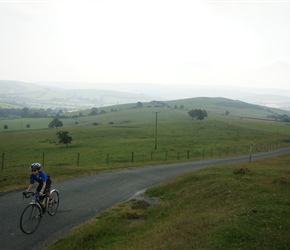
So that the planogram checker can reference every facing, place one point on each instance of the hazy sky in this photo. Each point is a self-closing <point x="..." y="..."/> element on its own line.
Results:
<point x="168" y="42"/>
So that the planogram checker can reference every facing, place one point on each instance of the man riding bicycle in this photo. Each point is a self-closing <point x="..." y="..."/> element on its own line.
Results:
<point x="43" y="180"/>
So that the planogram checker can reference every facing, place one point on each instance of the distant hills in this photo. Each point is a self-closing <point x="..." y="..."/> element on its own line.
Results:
<point x="71" y="96"/>
<point x="31" y="95"/>
<point x="270" y="97"/>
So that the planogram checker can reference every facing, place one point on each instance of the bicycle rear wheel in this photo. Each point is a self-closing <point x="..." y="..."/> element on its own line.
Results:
<point x="30" y="219"/>
<point x="52" y="208"/>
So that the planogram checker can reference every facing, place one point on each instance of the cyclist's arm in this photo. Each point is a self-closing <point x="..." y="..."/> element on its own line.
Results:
<point x="29" y="187"/>
<point x="31" y="182"/>
<point x="43" y="187"/>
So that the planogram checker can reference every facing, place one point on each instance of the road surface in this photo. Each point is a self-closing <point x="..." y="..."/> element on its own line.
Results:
<point x="83" y="198"/>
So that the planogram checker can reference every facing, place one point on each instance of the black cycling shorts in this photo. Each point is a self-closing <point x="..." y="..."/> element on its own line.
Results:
<point x="47" y="187"/>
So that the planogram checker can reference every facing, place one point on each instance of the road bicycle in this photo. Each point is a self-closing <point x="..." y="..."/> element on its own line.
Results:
<point x="32" y="214"/>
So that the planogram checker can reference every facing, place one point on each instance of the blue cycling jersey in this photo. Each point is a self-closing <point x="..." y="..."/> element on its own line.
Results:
<point x="42" y="177"/>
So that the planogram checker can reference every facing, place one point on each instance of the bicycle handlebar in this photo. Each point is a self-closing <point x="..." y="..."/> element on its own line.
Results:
<point x="28" y="194"/>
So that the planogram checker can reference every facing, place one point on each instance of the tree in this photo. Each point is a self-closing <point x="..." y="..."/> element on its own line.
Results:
<point x="59" y="113"/>
<point x="25" y="112"/>
<point x="64" y="137"/>
<point x="227" y="113"/>
<point x="285" y="118"/>
<point x="55" y="123"/>
<point x="94" y="111"/>
<point x="139" y="104"/>
<point x="5" y="126"/>
<point x="198" y="114"/>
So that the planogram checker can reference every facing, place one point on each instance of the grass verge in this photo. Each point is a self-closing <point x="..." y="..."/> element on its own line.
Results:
<point x="241" y="206"/>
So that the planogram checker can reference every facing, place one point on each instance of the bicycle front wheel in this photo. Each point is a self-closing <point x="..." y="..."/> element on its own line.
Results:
<point x="53" y="206"/>
<point x="30" y="219"/>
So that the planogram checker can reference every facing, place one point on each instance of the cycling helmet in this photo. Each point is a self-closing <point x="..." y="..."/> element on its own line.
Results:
<point x="35" y="166"/>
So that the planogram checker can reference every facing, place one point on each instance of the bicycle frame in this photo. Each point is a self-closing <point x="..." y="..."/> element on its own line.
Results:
<point x="36" y="199"/>
<point x="32" y="214"/>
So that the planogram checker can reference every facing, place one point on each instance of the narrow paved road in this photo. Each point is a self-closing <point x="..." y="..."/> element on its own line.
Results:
<point x="85" y="197"/>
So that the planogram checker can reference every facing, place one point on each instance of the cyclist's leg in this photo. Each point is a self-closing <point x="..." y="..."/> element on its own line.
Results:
<point x="39" y="187"/>
<point x="55" y="202"/>
<point x="47" y="189"/>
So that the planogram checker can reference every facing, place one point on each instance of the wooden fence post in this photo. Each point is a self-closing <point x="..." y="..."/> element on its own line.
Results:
<point x="132" y="158"/>
<point x="78" y="160"/>
<point x="43" y="159"/>
<point x="2" y="164"/>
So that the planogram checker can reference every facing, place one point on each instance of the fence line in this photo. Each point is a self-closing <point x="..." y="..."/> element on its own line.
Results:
<point x="162" y="155"/>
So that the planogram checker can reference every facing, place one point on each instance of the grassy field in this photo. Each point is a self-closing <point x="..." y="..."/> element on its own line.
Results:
<point x="127" y="139"/>
<point x="242" y="206"/>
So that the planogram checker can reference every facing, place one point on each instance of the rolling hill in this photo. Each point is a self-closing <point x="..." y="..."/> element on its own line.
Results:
<point x="15" y="95"/>
<point x="51" y="95"/>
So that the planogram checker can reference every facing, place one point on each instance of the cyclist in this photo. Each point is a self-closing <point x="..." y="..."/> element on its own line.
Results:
<point x="43" y="180"/>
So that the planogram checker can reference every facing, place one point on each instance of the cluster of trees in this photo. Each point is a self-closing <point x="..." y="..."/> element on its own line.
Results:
<point x="95" y="111"/>
<point x="198" y="114"/>
<point x="30" y="113"/>
<point x="55" y="123"/>
<point x="283" y="118"/>
<point x="38" y="113"/>
<point x="158" y="104"/>
<point x="60" y="113"/>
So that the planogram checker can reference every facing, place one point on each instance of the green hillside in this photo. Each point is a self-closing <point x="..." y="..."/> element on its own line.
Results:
<point x="168" y="111"/>
<point x="221" y="105"/>
<point x="217" y="106"/>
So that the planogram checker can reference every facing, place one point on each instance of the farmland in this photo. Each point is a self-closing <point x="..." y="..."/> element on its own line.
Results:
<point x="127" y="138"/>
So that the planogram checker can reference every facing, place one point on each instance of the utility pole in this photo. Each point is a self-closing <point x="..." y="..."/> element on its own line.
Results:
<point x="156" y="131"/>
<point x="251" y="148"/>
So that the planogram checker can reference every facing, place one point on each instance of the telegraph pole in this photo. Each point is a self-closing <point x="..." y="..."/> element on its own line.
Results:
<point x="156" y="131"/>
<point x="251" y="148"/>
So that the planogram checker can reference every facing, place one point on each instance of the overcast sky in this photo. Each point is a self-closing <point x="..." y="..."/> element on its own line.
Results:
<point x="237" y="43"/>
